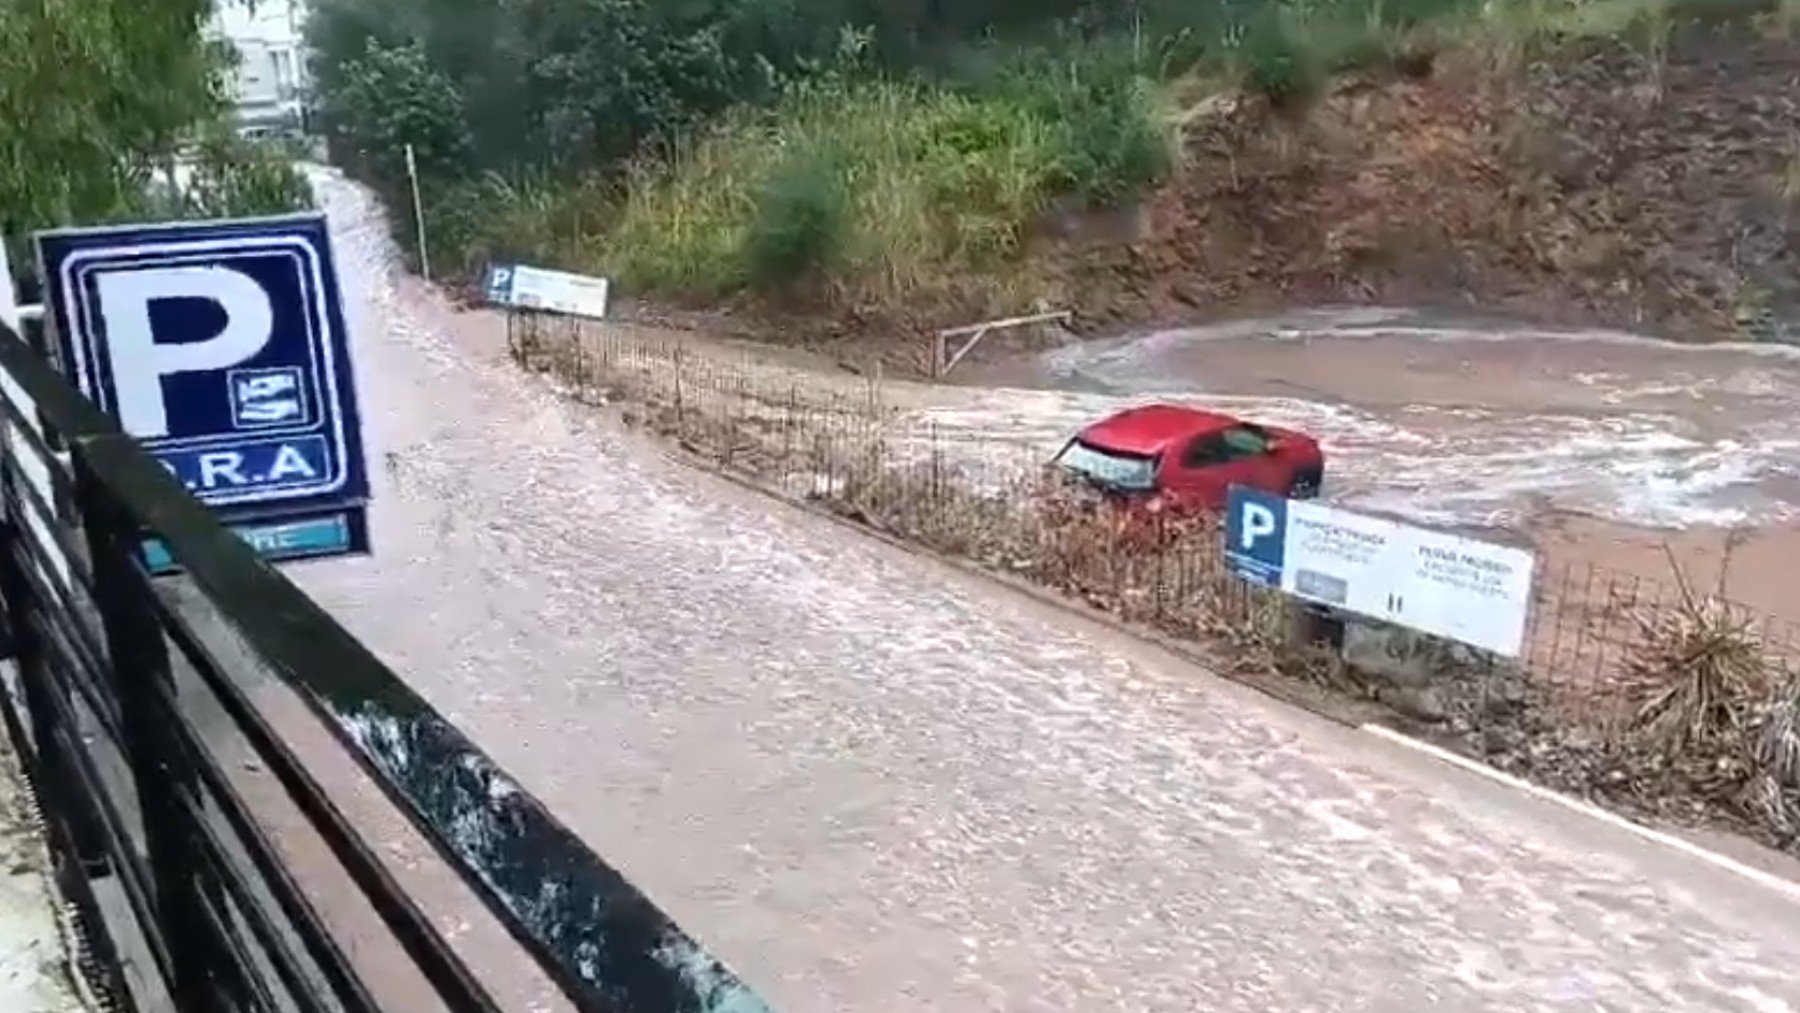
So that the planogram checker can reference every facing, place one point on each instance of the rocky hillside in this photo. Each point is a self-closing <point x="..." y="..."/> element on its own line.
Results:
<point x="1653" y="188"/>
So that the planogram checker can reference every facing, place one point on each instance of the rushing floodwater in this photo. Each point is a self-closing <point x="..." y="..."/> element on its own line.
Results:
<point x="870" y="784"/>
<point x="1478" y="425"/>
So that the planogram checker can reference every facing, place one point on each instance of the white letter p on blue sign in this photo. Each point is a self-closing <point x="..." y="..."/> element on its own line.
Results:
<point x="1255" y="535"/>
<point x="1259" y="521"/>
<point x="140" y="362"/>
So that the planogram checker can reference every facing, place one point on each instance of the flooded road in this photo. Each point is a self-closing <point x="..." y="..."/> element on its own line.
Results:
<point x="871" y="783"/>
<point x="1479" y="425"/>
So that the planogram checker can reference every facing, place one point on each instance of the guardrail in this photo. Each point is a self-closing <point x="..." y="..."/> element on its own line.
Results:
<point x="148" y="714"/>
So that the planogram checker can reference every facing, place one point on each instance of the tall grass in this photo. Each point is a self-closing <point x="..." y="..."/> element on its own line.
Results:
<point x="899" y="186"/>
<point x="1287" y="50"/>
<point x="875" y="190"/>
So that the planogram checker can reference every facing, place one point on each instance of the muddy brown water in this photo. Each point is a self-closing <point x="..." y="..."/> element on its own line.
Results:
<point x="1599" y="447"/>
<point x="872" y="784"/>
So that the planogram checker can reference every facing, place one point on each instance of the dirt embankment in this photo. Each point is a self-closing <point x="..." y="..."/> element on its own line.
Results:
<point x="1600" y="184"/>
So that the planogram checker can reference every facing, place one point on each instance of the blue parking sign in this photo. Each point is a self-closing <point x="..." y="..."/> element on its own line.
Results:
<point x="222" y="347"/>
<point x="1255" y="535"/>
<point x="498" y="284"/>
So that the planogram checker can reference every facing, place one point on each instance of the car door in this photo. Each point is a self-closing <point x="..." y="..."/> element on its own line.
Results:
<point x="1211" y="464"/>
<point x="1250" y="450"/>
<point x="1202" y="472"/>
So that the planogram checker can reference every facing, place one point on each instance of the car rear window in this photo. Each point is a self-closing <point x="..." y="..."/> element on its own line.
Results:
<point x="1120" y="471"/>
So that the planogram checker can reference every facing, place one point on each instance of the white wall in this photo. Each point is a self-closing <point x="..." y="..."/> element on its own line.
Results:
<point x="271" y="74"/>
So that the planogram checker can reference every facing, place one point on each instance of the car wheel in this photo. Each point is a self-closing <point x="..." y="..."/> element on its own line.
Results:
<point x="1304" y="486"/>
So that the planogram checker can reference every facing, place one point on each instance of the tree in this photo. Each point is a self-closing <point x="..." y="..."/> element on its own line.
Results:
<point x="475" y="45"/>
<point x="94" y="94"/>
<point x="391" y="97"/>
<point x="572" y="83"/>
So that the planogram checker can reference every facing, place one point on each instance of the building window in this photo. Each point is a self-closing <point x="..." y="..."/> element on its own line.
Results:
<point x="284" y="72"/>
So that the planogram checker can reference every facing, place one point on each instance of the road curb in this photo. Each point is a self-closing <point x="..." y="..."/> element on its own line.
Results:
<point x="1781" y="884"/>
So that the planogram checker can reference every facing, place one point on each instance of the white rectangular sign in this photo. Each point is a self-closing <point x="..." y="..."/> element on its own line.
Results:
<point x="1463" y="589"/>
<point x="1438" y="583"/>
<point x="1337" y="558"/>
<point x="544" y="289"/>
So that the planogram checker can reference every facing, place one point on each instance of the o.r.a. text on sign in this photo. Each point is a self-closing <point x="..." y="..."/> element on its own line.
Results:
<point x="222" y="347"/>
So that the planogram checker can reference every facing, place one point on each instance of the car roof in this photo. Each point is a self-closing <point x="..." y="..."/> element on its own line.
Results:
<point x="1150" y="429"/>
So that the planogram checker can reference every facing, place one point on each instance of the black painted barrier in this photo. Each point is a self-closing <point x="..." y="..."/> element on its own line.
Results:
<point x="225" y="923"/>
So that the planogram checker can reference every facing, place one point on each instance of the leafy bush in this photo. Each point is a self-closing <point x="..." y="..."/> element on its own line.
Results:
<point x="1111" y="134"/>
<point x="526" y="217"/>
<point x="231" y="177"/>
<point x="1277" y="63"/>
<point x="892" y="186"/>
<point x="800" y="223"/>
<point x="924" y="184"/>
<point x="390" y="97"/>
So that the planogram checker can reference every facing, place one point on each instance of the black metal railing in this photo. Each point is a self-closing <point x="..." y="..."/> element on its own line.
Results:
<point x="138" y="702"/>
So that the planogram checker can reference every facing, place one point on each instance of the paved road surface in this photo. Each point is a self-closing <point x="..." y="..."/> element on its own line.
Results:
<point x="870" y="784"/>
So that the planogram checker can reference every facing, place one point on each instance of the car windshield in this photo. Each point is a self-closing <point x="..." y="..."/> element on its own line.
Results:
<point x="1120" y="471"/>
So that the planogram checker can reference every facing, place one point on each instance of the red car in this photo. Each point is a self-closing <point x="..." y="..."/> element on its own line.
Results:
<point x="1182" y="460"/>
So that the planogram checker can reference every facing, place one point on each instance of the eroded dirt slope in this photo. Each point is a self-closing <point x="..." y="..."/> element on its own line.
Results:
<point x="1600" y="185"/>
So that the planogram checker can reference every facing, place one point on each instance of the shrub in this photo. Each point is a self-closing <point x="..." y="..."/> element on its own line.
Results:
<point x="981" y="166"/>
<point x="235" y="178"/>
<point x="1277" y="62"/>
<point x="530" y="217"/>
<point x="1696" y="671"/>
<point x="924" y="184"/>
<point x="391" y="97"/>
<point x="680" y="227"/>
<point x="1776" y="743"/>
<point x="1111" y="135"/>
<point x="801" y="221"/>
<point x="1114" y="141"/>
<point x="892" y="186"/>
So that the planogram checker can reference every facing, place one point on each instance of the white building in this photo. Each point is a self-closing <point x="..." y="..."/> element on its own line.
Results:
<point x="269" y="84"/>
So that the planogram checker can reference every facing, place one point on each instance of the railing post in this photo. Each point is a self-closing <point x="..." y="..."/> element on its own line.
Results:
<point x="141" y="677"/>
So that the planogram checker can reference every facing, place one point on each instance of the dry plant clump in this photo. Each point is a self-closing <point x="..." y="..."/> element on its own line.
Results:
<point x="1697" y="672"/>
<point x="1714" y="713"/>
<point x="1774" y="790"/>
<point x="1776" y="743"/>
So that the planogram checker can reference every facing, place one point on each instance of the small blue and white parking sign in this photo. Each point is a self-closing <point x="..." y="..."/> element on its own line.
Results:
<point x="1255" y="535"/>
<point x="222" y="347"/>
<point x="498" y="284"/>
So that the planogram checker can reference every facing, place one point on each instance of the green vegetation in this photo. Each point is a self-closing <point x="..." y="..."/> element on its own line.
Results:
<point x="871" y="152"/>
<point x="896" y="185"/>
<point x="701" y="150"/>
<point x="230" y="177"/>
<point x="93" y="93"/>
<point x="97" y="97"/>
